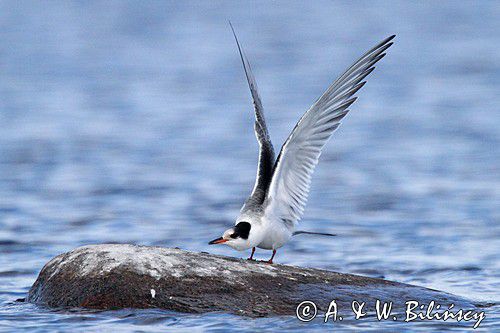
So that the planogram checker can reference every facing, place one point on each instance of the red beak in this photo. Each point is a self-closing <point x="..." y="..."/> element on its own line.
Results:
<point x="217" y="241"/>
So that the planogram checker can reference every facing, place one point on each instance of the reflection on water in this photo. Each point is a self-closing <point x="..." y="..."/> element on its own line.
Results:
<point x="131" y="122"/>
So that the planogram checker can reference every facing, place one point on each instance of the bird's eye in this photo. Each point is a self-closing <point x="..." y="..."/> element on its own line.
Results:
<point x="234" y="235"/>
<point x="243" y="229"/>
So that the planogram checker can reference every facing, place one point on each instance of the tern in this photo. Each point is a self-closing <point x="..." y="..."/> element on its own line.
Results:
<point x="271" y="213"/>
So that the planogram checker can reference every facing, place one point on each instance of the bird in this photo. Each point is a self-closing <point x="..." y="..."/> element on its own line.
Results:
<point x="270" y="215"/>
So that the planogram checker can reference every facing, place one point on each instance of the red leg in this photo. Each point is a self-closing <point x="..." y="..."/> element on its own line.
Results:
<point x="251" y="256"/>
<point x="270" y="261"/>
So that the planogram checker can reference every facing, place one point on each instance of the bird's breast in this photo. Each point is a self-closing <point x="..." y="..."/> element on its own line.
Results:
<point x="275" y="236"/>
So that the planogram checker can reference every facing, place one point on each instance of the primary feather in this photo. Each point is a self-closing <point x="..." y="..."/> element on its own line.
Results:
<point x="266" y="150"/>
<point x="289" y="187"/>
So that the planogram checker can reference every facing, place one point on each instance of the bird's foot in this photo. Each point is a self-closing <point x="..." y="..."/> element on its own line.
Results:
<point x="267" y="261"/>
<point x="251" y="256"/>
<point x="270" y="261"/>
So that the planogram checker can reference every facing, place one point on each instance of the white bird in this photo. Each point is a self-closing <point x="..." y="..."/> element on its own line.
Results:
<point x="270" y="215"/>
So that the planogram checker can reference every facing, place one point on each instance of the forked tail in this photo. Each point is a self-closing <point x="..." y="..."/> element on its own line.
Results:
<point x="312" y="233"/>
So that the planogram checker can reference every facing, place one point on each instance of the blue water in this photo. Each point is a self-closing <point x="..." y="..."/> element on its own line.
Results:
<point x="131" y="122"/>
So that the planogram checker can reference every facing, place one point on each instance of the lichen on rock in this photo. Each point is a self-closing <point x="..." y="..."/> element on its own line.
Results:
<point x="111" y="276"/>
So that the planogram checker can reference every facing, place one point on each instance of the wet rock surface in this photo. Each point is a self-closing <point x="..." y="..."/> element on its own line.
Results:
<point x="113" y="276"/>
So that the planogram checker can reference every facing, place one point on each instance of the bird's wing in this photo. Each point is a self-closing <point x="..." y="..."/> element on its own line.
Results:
<point x="289" y="188"/>
<point x="266" y="150"/>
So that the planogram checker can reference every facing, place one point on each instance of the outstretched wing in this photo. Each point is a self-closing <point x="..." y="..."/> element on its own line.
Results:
<point x="266" y="150"/>
<point x="289" y="188"/>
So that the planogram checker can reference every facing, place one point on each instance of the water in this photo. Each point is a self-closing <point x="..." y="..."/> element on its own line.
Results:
<point x="131" y="122"/>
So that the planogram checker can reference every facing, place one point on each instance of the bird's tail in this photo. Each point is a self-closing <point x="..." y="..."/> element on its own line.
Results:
<point x="312" y="233"/>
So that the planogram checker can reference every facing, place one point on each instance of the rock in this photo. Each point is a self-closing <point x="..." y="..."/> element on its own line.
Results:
<point x="113" y="276"/>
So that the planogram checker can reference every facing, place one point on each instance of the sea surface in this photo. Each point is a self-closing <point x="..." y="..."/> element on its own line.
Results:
<point x="131" y="122"/>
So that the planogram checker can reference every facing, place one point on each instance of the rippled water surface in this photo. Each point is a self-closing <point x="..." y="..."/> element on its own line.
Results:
<point x="131" y="122"/>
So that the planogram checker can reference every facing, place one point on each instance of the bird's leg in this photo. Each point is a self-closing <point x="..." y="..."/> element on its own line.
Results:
<point x="251" y="256"/>
<point x="270" y="261"/>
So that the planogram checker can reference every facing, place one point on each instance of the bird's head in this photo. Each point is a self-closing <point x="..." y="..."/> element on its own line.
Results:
<point x="235" y="237"/>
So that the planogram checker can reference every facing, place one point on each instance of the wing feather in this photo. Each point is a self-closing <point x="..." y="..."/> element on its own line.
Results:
<point x="291" y="179"/>
<point x="266" y="150"/>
